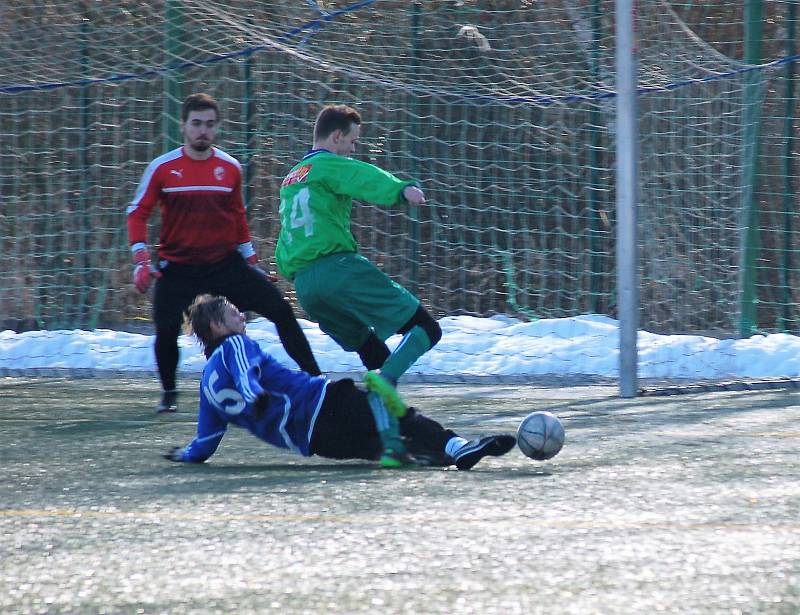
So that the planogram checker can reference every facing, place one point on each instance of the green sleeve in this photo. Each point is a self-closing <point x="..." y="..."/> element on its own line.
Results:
<point x="363" y="181"/>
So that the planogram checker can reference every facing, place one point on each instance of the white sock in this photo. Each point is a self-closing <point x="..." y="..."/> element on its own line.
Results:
<point x="453" y="444"/>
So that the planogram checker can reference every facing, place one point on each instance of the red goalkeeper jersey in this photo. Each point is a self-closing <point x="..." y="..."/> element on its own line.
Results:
<point x="202" y="214"/>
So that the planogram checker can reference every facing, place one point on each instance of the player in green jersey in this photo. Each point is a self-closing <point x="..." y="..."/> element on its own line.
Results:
<point x="352" y="300"/>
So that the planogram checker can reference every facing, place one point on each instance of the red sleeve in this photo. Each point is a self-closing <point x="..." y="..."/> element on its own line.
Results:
<point x="147" y="195"/>
<point x="238" y="204"/>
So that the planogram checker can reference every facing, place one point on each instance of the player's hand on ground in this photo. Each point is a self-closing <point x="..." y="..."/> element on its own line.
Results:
<point x="142" y="272"/>
<point x="413" y="195"/>
<point x="174" y="454"/>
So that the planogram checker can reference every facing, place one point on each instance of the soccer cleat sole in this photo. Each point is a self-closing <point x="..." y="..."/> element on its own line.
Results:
<point x="433" y="460"/>
<point x="494" y="446"/>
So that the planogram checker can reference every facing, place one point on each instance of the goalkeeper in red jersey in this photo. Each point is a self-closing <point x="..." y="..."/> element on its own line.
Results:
<point x="351" y="299"/>
<point x="204" y="245"/>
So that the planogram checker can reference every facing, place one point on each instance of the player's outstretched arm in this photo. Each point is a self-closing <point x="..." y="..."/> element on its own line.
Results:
<point x="198" y="450"/>
<point x="175" y="453"/>
<point x="364" y="181"/>
<point x="210" y="429"/>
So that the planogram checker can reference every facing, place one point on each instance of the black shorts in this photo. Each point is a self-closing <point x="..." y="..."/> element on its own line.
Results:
<point x="345" y="427"/>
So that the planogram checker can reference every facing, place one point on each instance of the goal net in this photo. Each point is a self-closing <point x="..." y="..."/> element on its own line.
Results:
<point x="504" y="110"/>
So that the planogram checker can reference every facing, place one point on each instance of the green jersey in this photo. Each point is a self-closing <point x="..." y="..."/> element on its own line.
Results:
<point x="316" y="201"/>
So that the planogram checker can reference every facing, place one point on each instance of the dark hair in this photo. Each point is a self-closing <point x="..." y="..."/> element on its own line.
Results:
<point x="204" y="310"/>
<point x="335" y="117"/>
<point x="198" y="102"/>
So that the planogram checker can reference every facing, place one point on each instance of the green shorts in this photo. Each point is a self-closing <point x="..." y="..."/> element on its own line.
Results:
<point x="350" y="297"/>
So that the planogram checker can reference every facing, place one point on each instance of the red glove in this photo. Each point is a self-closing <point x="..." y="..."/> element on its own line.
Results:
<point x="142" y="273"/>
<point x="251" y="258"/>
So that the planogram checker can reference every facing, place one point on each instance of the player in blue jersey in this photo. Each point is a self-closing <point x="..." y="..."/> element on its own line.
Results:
<point x="309" y="415"/>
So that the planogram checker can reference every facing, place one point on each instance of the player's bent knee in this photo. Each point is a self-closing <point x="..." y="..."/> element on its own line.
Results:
<point x="424" y="321"/>
<point x="430" y="326"/>
<point x="373" y="352"/>
<point x="434" y="332"/>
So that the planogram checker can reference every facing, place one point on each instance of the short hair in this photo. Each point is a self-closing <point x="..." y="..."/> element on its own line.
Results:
<point x="198" y="102"/>
<point x="335" y="117"/>
<point x="204" y="310"/>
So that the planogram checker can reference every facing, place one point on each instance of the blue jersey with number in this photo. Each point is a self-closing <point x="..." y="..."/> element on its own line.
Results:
<point x="237" y="372"/>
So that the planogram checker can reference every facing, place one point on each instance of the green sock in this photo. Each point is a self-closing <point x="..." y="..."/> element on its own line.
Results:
<point x="414" y="344"/>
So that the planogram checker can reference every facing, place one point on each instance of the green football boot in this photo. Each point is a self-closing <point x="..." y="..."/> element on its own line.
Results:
<point x="377" y="383"/>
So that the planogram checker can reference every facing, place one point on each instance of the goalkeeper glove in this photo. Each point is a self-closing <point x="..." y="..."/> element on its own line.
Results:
<point x="174" y="454"/>
<point x="269" y="277"/>
<point x="142" y="271"/>
<point x="251" y="258"/>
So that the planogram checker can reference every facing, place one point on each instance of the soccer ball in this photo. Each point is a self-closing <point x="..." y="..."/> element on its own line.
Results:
<point x="540" y="435"/>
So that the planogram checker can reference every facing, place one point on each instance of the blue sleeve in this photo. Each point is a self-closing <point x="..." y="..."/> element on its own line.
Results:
<point x="210" y="429"/>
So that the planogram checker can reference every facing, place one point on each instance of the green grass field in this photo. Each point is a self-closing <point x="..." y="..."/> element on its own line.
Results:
<point x="684" y="505"/>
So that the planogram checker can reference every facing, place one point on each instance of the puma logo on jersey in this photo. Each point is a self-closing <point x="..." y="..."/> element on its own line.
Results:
<point x="178" y="172"/>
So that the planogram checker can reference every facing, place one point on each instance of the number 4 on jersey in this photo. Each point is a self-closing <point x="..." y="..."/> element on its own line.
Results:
<point x="301" y="215"/>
